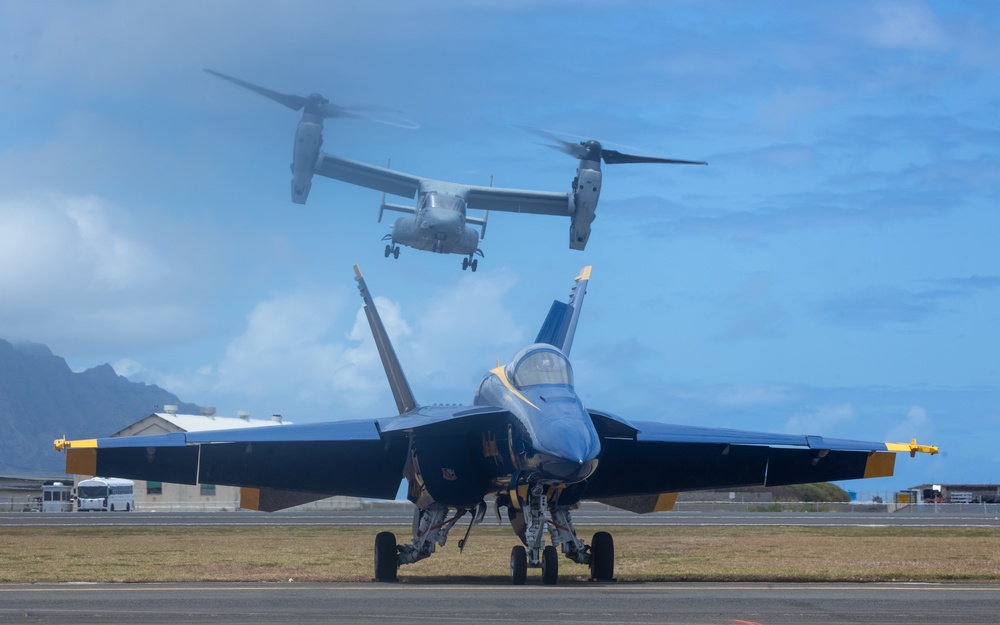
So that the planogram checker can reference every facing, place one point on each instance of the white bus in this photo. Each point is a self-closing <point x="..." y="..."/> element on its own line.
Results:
<point x="105" y="494"/>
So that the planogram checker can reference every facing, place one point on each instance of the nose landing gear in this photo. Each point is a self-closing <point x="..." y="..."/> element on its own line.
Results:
<point x="538" y="516"/>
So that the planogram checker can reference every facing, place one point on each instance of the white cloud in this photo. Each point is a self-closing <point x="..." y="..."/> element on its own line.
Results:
<point x="293" y="353"/>
<point x="288" y="349"/>
<point x="916" y="424"/>
<point x="75" y="269"/>
<point x="905" y="25"/>
<point x="823" y="421"/>
<point x="465" y="327"/>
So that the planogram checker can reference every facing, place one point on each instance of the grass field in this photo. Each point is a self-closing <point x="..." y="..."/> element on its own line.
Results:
<point x="344" y="554"/>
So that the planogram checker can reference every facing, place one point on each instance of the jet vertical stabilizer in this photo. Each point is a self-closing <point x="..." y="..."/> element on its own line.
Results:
<point x="393" y="371"/>
<point x="560" y="324"/>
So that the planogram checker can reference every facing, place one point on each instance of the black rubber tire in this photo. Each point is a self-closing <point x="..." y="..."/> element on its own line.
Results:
<point x="518" y="565"/>
<point x="395" y="252"/>
<point x="474" y="264"/>
<point x="602" y="557"/>
<point x="388" y="250"/>
<point x="386" y="558"/>
<point x="550" y="565"/>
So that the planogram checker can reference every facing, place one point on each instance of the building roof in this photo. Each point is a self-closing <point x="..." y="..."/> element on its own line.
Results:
<point x="165" y="422"/>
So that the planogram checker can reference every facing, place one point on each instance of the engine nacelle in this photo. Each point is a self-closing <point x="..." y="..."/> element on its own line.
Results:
<point x="587" y="190"/>
<point x="308" y="140"/>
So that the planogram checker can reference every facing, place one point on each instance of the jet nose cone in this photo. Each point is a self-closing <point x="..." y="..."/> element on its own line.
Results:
<point x="569" y="471"/>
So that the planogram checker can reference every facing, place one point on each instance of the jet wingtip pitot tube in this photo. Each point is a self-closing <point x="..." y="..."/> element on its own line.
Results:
<point x="913" y="448"/>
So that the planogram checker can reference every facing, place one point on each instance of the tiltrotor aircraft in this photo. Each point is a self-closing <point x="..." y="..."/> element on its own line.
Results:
<point x="527" y="442"/>
<point x="439" y="222"/>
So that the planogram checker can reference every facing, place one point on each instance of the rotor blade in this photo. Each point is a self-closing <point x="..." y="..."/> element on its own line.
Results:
<point x="614" y="157"/>
<point x="293" y="102"/>
<point x="573" y="149"/>
<point x="368" y="112"/>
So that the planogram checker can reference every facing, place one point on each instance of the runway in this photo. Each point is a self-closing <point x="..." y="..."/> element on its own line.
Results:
<point x="676" y="604"/>
<point x="401" y="515"/>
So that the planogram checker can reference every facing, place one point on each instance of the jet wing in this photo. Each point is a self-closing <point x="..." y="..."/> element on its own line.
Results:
<point x="279" y="465"/>
<point x="646" y="472"/>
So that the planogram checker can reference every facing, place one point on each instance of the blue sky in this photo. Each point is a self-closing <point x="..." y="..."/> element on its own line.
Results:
<point x="833" y="271"/>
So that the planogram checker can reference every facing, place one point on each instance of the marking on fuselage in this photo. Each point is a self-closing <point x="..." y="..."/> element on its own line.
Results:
<point x="500" y="373"/>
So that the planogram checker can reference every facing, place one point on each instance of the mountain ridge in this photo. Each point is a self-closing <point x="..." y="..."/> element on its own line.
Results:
<point x="42" y="399"/>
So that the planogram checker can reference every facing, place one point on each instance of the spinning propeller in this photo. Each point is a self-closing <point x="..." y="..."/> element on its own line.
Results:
<point x="593" y="151"/>
<point x="316" y="104"/>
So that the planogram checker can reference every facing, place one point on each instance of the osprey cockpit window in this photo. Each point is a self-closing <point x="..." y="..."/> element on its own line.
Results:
<point x="433" y="199"/>
<point x="541" y="367"/>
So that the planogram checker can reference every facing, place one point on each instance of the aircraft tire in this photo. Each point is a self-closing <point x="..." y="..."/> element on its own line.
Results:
<point x="602" y="557"/>
<point x="395" y="252"/>
<point x="388" y="250"/>
<point x="386" y="562"/>
<point x="550" y="565"/>
<point x="518" y="565"/>
<point x="474" y="264"/>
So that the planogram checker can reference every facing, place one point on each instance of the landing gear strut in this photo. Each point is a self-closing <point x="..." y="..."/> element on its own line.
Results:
<point x="537" y="515"/>
<point x="430" y="530"/>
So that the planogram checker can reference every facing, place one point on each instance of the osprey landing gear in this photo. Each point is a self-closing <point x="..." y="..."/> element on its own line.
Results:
<point x="472" y="261"/>
<point x="392" y="250"/>
<point x="537" y="516"/>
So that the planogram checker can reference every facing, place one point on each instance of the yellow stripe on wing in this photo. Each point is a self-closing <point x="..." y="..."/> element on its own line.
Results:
<point x="665" y="502"/>
<point x="880" y="464"/>
<point x="82" y="461"/>
<point x="250" y="498"/>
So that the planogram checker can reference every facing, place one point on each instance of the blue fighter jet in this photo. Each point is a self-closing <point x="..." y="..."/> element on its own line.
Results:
<point x="527" y="442"/>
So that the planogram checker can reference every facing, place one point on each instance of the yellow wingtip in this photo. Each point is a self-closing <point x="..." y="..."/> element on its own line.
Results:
<point x="61" y="444"/>
<point x="584" y="273"/>
<point x="913" y="448"/>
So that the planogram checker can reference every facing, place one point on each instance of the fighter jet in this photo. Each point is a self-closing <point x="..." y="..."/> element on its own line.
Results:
<point x="527" y="443"/>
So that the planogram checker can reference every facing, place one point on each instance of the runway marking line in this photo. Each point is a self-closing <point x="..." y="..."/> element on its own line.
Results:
<point x="417" y="586"/>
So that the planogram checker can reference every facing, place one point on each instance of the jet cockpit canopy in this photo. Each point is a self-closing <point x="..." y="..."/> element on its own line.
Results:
<point x="539" y="364"/>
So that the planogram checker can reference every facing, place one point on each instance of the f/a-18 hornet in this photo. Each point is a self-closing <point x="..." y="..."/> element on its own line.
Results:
<point x="527" y="442"/>
<point x="438" y="222"/>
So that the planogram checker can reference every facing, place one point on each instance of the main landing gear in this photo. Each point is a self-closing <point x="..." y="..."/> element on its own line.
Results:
<point x="532" y="520"/>
<point x="430" y="530"/>
<point x="392" y="250"/>
<point x="472" y="261"/>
